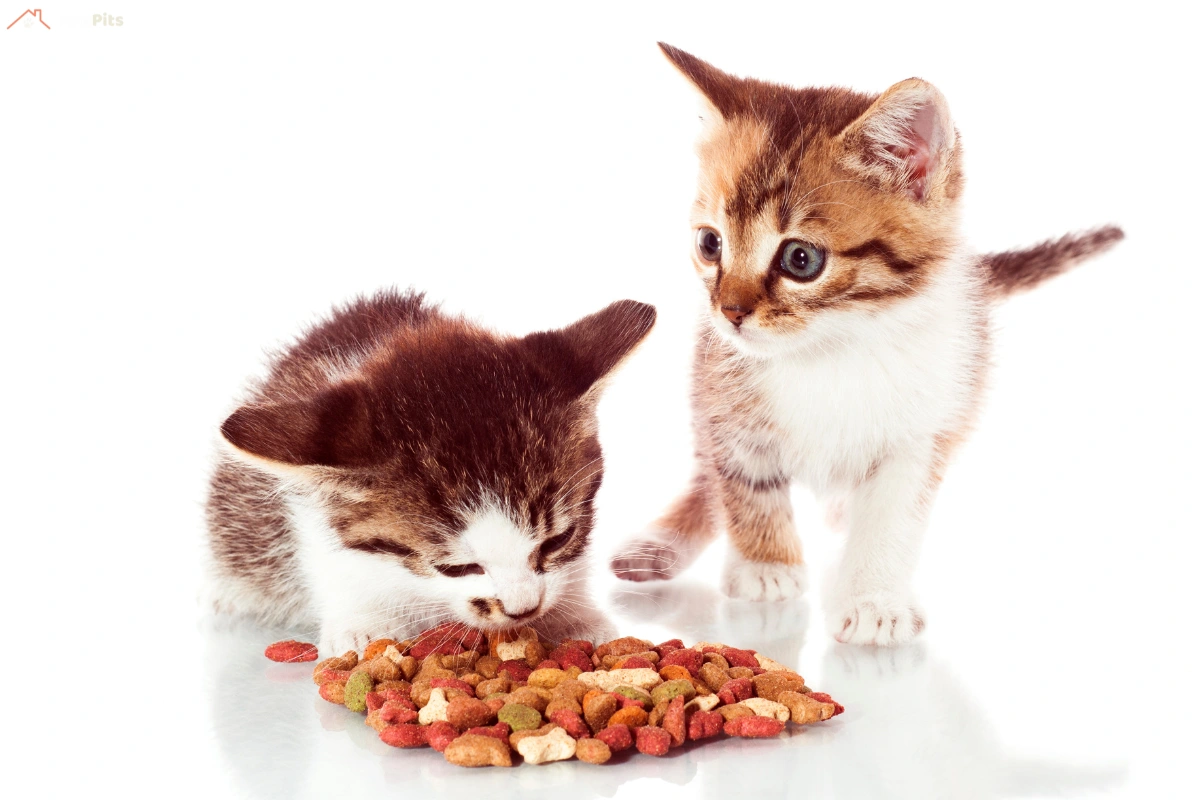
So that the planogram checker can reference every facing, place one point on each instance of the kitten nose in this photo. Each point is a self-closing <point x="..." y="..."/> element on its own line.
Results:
<point x="526" y="614"/>
<point x="736" y="314"/>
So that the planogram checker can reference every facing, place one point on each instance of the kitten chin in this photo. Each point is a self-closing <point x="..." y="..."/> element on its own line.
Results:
<point x="399" y="467"/>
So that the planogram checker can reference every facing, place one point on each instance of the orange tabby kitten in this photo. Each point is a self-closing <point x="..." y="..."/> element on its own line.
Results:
<point x="846" y="339"/>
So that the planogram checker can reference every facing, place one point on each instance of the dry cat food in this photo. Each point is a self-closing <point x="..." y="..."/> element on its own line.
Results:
<point x="482" y="700"/>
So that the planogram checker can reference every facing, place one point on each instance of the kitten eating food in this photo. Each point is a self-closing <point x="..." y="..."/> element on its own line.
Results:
<point x="399" y="466"/>
<point x="846" y="340"/>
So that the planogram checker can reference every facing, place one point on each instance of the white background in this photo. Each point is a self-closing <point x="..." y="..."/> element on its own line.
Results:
<point x="181" y="192"/>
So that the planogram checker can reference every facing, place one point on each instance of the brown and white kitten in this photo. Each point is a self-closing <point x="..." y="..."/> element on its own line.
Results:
<point x="846" y="339"/>
<point x="399" y="467"/>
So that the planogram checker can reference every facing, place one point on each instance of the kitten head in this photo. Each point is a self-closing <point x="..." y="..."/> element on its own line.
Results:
<point x="459" y="466"/>
<point x="817" y="207"/>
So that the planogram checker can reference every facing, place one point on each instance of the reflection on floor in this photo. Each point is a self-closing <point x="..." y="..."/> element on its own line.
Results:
<point x="910" y="730"/>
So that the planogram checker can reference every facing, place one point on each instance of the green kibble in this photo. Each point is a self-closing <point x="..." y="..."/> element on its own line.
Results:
<point x="520" y="717"/>
<point x="671" y="690"/>
<point x="634" y="693"/>
<point x="356" y="691"/>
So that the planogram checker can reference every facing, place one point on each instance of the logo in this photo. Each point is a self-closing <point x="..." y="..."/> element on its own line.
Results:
<point x="31" y="18"/>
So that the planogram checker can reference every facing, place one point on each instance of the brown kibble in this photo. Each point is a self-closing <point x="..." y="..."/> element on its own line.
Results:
<point x="488" y="666"/>
<point x="803" y="709"/>
<point x="718" y="659"/>
<point x="735" y="711"/>
<point x="592" y="751"/>
<point x="771" y="684"/>
<point x="570" y="688"/>
<point x="459" y="663"/>
<point x="409" y="666"/>
<point x="625" y="646"/>
<point x="714" y="675"/>
<point x="338" y="663"/>
<point x="632" y="716"/>
<point x="334" y="692"/>
<point x="473" y="750"/>
<point x="535" y="653"/>
<point x="383" y="669"/>
<point x="562" y="704"/>
<point x="611" y="660"/>
<point x="656" y="714"/>
<point x="404" y="687"/>
<point x="547" y="678"/>
<point x="492" y="686"/>
<point x="740" y="672"/>
<point x="373" y="721"/>
<point x="598" y="710"/>
<point x="376" y="647"/>
<point x="467" y="712"/>
<point x="472" y="679"/>
<point x="530" y="696"/>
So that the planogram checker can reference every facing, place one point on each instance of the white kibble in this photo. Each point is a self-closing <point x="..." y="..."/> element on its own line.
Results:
<point x="557" y="745"/>
<point x="607" y="680"/>
<point x="769" y="664"/>
<point x="701" y="645"/>
<point x="392" y="654"/>
<point x="763" y="707"/>
<point x="705" y="702"/>
<point x="435" y="709"/>
<point x="511" y="651"/>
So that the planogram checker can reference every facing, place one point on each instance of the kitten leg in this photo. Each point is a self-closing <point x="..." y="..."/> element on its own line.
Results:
<point x="765" y="561"/>
<point x="872" y="600"/>
<point x="674" y="541"/>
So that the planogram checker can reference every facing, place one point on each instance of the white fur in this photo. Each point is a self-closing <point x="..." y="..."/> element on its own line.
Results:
<point x="857" y="401"/>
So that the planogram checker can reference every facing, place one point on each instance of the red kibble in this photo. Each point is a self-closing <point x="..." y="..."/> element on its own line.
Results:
<point x="704" y="725"/>
<point x="441" y="734"/>
<point x="449" y="638"/>
<point x="821" y="697"/>
<point x="518" y="671"/>
<point x="636" y="662"/>
<point x="617" y="737"/>
<point x="396" y="696"/>
<point x="674" y="644"/>
<point x="651" y="741"/>
<point x="548" y="664"/>
<point x="405" y="735"/>
<point x="754" y="727"/>
<point x="291" y="651"/>
<point x="580" y="644"/>
<point x="673" y="721"/>
<point x="739" y="658"/>
<point x="571" y="722"/>
<point x="499" y="731"/>
<point x="735" y="691"/>
<point x="757" y="670"/>
<point x="394" y="713"/>
<point x="626" y="702"/>
<point x="690" y="660"/>
<point x="569" y="656"/>
<point x="374" y="701"/>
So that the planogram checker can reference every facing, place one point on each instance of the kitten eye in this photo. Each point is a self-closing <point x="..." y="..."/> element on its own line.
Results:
<point x="556" y="543"/>
<point x="802" y="261"/>
<point x="708" y="245"/>
<point x="458" y="570"/>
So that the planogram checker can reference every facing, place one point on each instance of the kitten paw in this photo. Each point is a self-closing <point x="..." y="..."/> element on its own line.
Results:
<point x="761" y="580"/>
<point x="879" y="618"/>
<point x="657" y="555"/>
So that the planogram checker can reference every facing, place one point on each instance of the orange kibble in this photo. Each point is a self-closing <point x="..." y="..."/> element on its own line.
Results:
<point x="632" y="716"/>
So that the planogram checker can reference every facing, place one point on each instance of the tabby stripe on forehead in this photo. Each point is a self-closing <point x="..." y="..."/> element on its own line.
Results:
<point x="877" y="249"/>
<point x="754" y="484"/>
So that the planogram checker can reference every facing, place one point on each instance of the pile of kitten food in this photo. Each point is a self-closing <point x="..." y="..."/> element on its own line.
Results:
<point x="477" y="699"/>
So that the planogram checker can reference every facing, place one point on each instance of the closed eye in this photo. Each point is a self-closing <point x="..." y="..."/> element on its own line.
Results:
<point x="553" y="545"/>
<point x="458" y="570"/>
<point x="383" y="546"/>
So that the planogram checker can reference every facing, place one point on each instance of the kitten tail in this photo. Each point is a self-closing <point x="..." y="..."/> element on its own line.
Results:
<point x="1016" y="271"/>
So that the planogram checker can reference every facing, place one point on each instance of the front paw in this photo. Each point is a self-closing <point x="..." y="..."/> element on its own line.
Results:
<point x="885" y="619"/>
<point x="762" y="580"/>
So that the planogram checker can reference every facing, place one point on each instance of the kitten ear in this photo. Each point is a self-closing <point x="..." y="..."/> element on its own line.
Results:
<point x="584" y="352"/>
<point x="719" y="88"/>
<point x="904" y="140"/>
<point x="333" y="429"/>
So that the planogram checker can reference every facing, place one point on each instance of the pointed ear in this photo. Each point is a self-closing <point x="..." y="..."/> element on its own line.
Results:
<point x="586" y="351"/>
<point x="905" y="140"/>
<point x="720" y="89"/>
<point x="333" y="429"/>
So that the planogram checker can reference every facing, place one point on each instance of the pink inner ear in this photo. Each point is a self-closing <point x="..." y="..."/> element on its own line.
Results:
<point x="917" y="150"/>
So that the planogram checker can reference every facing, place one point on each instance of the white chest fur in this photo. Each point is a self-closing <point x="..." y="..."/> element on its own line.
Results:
<point x="886" y="380"/>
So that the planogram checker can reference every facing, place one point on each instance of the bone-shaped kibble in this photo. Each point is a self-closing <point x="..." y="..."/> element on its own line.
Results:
<point x="554" y="746"/>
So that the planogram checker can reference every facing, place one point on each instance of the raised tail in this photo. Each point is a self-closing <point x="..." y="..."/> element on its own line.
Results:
<point x="1015" y="271"/>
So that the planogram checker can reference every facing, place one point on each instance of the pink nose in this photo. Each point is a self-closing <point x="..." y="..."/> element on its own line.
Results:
<point x="736" y="314"/>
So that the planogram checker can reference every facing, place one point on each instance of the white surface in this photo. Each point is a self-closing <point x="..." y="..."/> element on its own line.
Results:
<point x="181" y="192"/>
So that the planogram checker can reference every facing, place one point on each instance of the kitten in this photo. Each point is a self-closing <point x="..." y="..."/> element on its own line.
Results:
<point x="846" y="341"/>
<point x="399" y="467"/>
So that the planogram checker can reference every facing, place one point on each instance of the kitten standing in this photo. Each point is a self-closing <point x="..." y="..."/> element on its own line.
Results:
<point x="846" y="342"/>
<point x="400" y="467"/>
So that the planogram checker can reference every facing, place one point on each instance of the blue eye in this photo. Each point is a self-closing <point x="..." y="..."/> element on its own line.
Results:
<point x="802" y="261"/>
